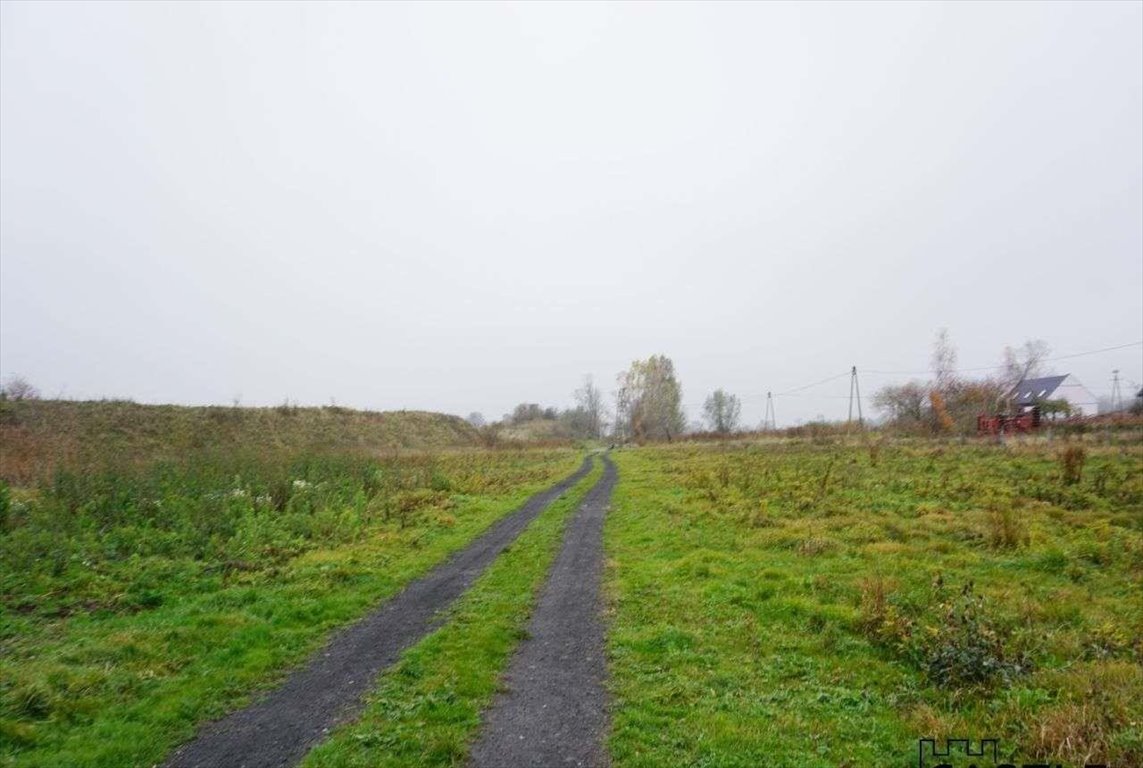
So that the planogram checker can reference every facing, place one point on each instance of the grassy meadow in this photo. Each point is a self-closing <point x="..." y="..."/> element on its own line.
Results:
<point x="827" y="604"/>
<point x="139" y="598"/>
<point x="782" y="602"/>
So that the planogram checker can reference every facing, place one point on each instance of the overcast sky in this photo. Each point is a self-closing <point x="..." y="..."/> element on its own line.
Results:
<point x="459" y="207"/>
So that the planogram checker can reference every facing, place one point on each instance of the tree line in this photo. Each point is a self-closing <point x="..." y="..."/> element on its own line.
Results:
<point x="647" y="406"/>
<point x="950" y="402"/>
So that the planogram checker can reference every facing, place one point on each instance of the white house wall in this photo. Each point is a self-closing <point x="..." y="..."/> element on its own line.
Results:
<point x="1077" y="395"/>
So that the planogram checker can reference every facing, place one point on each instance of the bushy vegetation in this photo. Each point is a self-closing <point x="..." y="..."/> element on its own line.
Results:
<point x="140" y="598"/>
<point x="529" y="423"/>
<point x="830" y="601"/>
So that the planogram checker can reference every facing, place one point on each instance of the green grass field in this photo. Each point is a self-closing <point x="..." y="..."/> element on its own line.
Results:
<point x="797" y="604"/>
<point x="139" y="602"/>
<point x="783" y="603"/>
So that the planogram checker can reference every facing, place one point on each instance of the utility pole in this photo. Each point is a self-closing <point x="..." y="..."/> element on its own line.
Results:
<point x="1116" y="395"/>
<point x="854" y="393"/>
<point x="769" y="421"/>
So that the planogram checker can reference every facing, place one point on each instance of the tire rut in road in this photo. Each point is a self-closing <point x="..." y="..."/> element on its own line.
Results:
<point x="282" y="727"/>
<point x="554" y="709"/>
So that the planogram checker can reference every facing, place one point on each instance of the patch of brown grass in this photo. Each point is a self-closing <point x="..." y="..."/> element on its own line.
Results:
<point x="1006" y="530"/>
<point x="1099" y="701"/>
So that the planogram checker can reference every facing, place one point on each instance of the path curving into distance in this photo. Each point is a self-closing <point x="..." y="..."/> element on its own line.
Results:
<point x="554" y="711"/>
<point x="279" y="729"/>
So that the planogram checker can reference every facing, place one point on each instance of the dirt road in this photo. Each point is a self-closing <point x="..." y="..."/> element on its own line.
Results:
<point x="279" y="729"/>
<point x="554" y="710"/>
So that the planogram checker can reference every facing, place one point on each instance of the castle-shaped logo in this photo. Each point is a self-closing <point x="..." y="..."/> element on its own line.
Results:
<point x="967" y="753"/>
<point x="959" y="753"/>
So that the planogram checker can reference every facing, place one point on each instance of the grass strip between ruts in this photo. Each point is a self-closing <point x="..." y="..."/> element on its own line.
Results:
<point x="426" y="709"/>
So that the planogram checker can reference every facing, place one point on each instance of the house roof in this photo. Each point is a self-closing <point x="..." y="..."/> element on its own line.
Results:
<point x="1031" y="391"/>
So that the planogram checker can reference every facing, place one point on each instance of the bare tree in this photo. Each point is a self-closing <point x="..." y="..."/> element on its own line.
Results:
<point x="721" y="411"/>
<point x="18" y="388"/>
<point x="944" y="361"/>
<point x="1025" y="362"/>
<point x="476" y="419"/>
<point x="649" y="400"/>
<point x="589" y="400"/>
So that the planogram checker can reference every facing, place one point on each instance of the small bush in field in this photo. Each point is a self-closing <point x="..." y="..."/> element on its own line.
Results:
<point x="954" y="640"/>
<point x="969" y="648"/>
<point x="1071" y="464"/>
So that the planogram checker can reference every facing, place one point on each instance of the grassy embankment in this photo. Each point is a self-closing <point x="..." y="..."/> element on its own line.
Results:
<point x="141" y="597"/>
<point x="826" y="605"/>
<point x="36" y="436"/>
<point x="427" y="709"/>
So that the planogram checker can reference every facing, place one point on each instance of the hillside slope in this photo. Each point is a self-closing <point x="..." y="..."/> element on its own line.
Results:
<point x="38" y="435"/>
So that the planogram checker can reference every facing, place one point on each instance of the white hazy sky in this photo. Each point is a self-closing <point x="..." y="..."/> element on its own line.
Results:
<point x="459" y="207"/>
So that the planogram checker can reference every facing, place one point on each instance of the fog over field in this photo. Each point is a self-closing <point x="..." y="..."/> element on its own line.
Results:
<point x="459" y="207"/>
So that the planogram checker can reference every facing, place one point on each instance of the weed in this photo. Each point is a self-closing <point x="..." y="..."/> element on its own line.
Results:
<point x="1006" y="530"/>
<point x="874" y="452"/>
<point x="1071" y="464"/>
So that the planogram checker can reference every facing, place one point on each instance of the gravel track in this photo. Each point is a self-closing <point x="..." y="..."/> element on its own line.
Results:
<point x="282" y="727"/>
<point x="554" y="710"/>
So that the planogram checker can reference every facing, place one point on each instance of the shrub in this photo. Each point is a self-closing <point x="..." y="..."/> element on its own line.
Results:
<point x="954" y="641"/>
<point x="968" y="648"/>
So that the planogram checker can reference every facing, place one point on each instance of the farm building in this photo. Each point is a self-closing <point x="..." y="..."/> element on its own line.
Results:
<point x="1068" y="388"/>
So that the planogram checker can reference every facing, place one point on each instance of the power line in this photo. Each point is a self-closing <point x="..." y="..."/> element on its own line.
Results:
<point x="998" y="367"/>
<point x="814" y="384"/>
<point x="769" y="420"/>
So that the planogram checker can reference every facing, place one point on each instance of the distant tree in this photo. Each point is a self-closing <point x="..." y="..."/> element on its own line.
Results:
<point x="1025" y="362"/>
<point x="525" y="412"/>
<point x="476" y="419"/>
<point x="721" y="411"/>
<point x="944" y="361"/>
<point x="589" y="400"/>
<point x="905" y="405"/>
<point x="18" y="388"/>
<point x="1054" y="408"/>
<point x="576" y="422"/>
<point x="943" y="420"/>
<point x="971" y="398"/>
<point x="649" y="400"/>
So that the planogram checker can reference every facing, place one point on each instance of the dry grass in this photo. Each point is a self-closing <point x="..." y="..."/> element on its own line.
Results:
<point x="1071" y="464"/>
<point x="1006" y="530"/>
<point x="1099" y="703"/>
<point x="37" y="436"/>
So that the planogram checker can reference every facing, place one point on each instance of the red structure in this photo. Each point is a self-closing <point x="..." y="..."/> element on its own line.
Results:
<point x="1001" y="424"/>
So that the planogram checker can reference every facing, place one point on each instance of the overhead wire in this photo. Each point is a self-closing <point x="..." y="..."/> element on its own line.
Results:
<point x="795" y="391"/>
<point x="1001" y="366"/>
